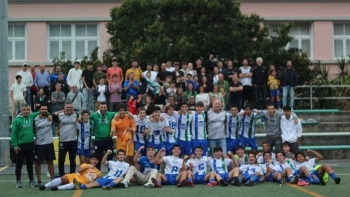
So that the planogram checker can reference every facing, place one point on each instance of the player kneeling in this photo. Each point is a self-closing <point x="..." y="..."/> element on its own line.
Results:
<point x="315" y="173"/>
<point x="173" y="166"/>
<point x="195" y="169"/>
<point x="117" y="170"/>
<point x="87" y="173"/>
<point x="248" y="174"/>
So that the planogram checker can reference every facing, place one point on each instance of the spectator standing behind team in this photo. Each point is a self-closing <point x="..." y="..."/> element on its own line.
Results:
<point x="274" y="89"/>
<point x="203" y="97"/>
<point x="230" y="70"/>
<point x="115" y="91"/>
<point x="27" y="81"/>
<point x="33" y="89"/>
<point x="74" y="76"/>
<point x="22" y="140"/>
<point x="289" y="84"/>
<point x="260" y="76"/>
<point x="222" y="70"/>
<point x="223" y="88"/>
<point x="114" y="70"/>
<point x="17" y="94"/>
<point x="40" y="99"/>
<point x="131" y="86"/>
<point x="58" y="99"/>
<point x="44" y="149"/>
<point x="76" y="98"/>
<point x="88" y="87"/>
<point x="216" y="130"/>
<point x="218" y="95"/>
<point x="98" y="75"/>
<point x="101" y="93"/>
<point x="236" y="89"/>
<point x="136" y="70"/>
<point x="67" y="141"/>
<point x="42" y="79"/>
<point x="54" y="76"/>
<point x="245" y="74"/>
<point x="64" y="85"/>
<point x="153" y="76"/>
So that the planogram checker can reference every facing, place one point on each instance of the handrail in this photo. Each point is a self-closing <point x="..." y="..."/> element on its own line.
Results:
<point x="320" y="98"/>
<point x="259" y="135"/>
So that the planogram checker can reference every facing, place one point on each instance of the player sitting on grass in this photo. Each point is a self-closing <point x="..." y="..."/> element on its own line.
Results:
<point x="195" y="168"/>
<point x="240" y="157"/>
<point x="116" y="171"/>
<point x="315" y="173"/>
<point x="248" y="174"/>
<point x="173" y="166"/>
<point x="219" y="166"/>
<point x="233" y="126"/>
<point x="266" y="166"/>
<point x="266" y="148"/>
<point x="286" y="166"/>
<point x="286" y="149"/>
<point x="148" y="170"/>
<point x="87" y="173"/>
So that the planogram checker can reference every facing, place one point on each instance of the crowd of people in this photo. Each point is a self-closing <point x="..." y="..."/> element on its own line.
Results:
<point x="167" y="133"/>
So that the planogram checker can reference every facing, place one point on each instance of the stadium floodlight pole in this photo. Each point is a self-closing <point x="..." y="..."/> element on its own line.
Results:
<point x="4" y="90"/>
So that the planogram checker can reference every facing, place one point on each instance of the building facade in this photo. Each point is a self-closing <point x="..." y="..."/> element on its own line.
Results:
<point x="39" y="30"/>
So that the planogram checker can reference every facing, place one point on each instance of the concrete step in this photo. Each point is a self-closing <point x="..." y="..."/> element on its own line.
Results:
<point x="342" y="116"/>
<point x="327" y="127"/>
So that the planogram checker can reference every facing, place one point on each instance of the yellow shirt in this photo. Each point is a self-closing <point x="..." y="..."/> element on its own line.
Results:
<point x="273" y="82"/>
<point x="137" y="73"/>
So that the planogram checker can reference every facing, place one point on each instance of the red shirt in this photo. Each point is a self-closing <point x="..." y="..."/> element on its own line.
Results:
<point x="33" y="88"/>
<point x="114" y="71"/>
<point x="132" y="106"/>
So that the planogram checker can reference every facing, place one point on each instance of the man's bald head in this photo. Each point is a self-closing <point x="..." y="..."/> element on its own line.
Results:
<point x="216" y="105"/>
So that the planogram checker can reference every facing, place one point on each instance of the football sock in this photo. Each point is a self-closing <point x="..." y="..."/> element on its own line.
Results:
<point x="189" y="179"/>
<point x="66" y="187"/>
<point x="53" y="183"/>
<point x="240" y="179"/>
<point x="332" y="175"/>
<point x="83" y="187"/>
<point x="112" y="184"/>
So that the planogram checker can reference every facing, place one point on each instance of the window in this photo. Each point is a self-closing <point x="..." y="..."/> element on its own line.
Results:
<point x="341" y="40"/>
<point x="16" y="42"/>
<point x="76" y="40"/>
<point x="302" y="37"/>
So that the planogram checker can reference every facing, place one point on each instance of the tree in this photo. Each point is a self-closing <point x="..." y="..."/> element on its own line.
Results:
<point x="184" y="30"/>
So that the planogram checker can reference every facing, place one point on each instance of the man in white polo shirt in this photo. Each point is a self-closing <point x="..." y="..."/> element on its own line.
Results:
<point x="27" y="81"/>
<point x="17" y="94"/>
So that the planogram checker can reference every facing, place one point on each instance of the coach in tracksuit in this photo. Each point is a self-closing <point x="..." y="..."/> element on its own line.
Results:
<point x="68" y="141"/>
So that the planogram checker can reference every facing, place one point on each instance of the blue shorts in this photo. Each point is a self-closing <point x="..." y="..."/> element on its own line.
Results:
<point x="251" y="141"/>
<point x="224" y="176"/>
<point x="185" y="146"/>
<point x="275" y="92"/>
<point x="84" y="152"/>
<point x="232" y="144"/>
<point x="169" y="147"/>
<point x="104" y="181"/>
<point x="199" y="179"/>
<point x="170" y="179"/>
<point x="157" y="147"/>
<point x="246" y="176"/>
<point x="137" y="145"/>
<point x="315" y="173"/>
<point x="296" y="173"/>
<point x="202" y="143"/>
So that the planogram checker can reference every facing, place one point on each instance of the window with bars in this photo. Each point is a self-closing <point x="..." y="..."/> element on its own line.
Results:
<point x="341" y="40"/>
<point x="302" y="36"/>
<point x="76" y="40"/>
<point x="16" y="42"/>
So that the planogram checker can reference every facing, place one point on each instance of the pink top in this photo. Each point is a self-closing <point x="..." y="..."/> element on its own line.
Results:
<point x="114" y="71"/>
